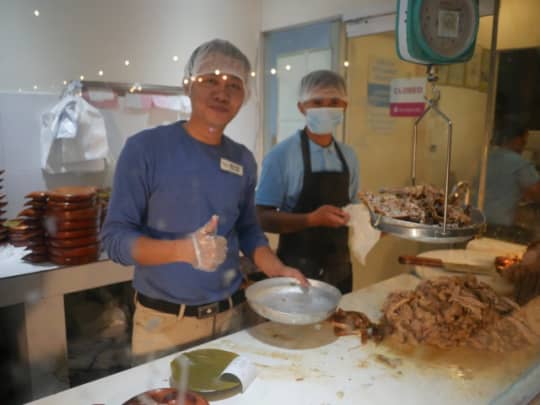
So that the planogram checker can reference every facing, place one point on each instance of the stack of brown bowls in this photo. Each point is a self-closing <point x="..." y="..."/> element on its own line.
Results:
<point x="72" y="222"/>
<point x="27" y="229"/>
<point x="3" y="203"/>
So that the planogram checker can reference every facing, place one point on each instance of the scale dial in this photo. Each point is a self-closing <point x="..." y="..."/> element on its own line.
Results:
<point x="436" y="31"/>
<point x="447" y="26"/>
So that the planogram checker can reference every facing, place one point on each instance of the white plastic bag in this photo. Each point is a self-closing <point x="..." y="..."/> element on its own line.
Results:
<point x="73" y="137"/>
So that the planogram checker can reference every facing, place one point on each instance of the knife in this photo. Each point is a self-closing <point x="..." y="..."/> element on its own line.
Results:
<point x="448" y="266"/>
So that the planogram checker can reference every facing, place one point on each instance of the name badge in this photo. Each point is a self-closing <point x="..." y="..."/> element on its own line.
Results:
<point x="231" y="167"/>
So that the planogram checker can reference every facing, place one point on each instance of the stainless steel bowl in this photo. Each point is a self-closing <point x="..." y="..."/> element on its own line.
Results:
<point x="283" y="300"/>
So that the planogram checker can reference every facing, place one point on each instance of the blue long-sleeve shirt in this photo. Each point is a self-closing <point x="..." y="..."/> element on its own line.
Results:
<point x="166" y="186"/>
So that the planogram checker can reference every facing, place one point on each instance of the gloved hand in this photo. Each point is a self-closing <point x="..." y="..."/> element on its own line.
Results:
<point x="210" y="249"/>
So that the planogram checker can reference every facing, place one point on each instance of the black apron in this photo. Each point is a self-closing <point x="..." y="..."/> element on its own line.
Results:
<point x="320" y="253"/>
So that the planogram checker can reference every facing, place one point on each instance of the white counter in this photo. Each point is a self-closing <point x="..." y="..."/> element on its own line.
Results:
<point x="40" y="289"/>
<point x="309" y="365"/>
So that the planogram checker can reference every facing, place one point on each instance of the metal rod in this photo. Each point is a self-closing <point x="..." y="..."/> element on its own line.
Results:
<point x="415" y="143"/>
<point x="490" y="104"/>
<point x="123" y="88"/>
<point x="448" y="164"/>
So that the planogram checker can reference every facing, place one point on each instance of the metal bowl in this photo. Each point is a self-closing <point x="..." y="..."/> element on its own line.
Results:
<point x="283" y="300"/>
<point x="429" y="233"/>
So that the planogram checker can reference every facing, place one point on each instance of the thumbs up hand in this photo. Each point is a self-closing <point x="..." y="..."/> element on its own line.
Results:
<point x="210" y="248"/>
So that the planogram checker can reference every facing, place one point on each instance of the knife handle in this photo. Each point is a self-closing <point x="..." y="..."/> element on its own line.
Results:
<point x="420" y="261"/>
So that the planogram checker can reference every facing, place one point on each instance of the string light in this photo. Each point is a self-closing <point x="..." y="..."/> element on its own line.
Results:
<point x="35" y="87"/>
<point x="65" y="82"/>
<point x="273" y="71"/>
<point x="175" y="58"/>
<point x="126" y="62"/>
<point x="100" y="73"/>
<point x="252" y="74"/>
<point x="186" y="81"/>
<point x="346" y="63"/>
<point x="81" y="77"/>
<point x="217" y="72"/>
<point x="288" y="67"/>
<point x="224" y="77"/>
<point x="36" y="13"/>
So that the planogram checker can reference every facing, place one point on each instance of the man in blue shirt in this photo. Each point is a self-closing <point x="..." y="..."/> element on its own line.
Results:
<point x="181" y="209"/>
<point x="510" y="178"/>
<point x="305" y="182"/>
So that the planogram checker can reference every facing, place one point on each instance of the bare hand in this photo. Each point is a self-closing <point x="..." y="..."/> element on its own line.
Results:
<point x="210" y="249"/>
<point x="328" y="216"/>
<point x="286" y="271"/>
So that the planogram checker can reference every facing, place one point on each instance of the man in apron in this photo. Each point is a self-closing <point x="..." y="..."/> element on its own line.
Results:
<point x="305" y="182"/>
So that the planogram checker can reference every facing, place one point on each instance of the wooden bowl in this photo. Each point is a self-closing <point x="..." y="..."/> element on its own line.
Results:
<point x="75" y="215"/>
<point x="28" y="243"/>
<point x="70" y="206"/>
<point x="36" y="204"/>
<point x="72" y="261"/>
<point x="166" y="396"/>
<point x="37" y="195"/>
<point x="36" y="258"/>
<point x="83" y="251"/>
<point x="74" y="234"/>
<point x="53" y="225"/>
<point x="38" y="249"/>
<point x="70" y="194"/>
<point x="26" y="235"/>
<point x="72" y="243"/>
<point x="31" y="213"/>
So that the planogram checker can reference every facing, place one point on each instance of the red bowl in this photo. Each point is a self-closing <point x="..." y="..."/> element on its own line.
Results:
<point x="166" y="396"/>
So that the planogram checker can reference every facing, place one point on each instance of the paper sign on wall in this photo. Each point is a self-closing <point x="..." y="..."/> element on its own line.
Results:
<point x="407" y="97"/>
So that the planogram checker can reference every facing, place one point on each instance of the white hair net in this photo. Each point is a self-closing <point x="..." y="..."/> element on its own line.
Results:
<point x="322" y="84"/>
<point x="220" y="57"/>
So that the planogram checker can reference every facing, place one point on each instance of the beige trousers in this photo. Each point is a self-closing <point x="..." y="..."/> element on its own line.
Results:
<point x="156" y="334"/>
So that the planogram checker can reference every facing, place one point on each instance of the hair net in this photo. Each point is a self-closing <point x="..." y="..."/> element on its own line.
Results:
<point x="220" y="57"/>
<point x="322" y="84"/>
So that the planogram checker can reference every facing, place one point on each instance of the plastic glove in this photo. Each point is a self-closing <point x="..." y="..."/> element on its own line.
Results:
<point x="210" y="249"/>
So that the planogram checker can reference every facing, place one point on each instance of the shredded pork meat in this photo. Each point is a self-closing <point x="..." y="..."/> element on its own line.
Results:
<point x="457" y="311"/>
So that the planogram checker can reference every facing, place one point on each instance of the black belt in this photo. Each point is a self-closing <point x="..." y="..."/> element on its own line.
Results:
<point x="200" y="311"/>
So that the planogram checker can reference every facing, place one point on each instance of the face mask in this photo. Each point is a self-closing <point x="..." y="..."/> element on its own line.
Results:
<point x="323" y="120"/>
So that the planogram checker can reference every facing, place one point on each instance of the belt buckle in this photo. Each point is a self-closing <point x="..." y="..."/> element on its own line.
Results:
<point x="208" y="310"/>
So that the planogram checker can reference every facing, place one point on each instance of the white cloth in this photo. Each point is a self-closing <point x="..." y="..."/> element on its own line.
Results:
<point x="362" y="236"/>
<point x="73" y="137"/>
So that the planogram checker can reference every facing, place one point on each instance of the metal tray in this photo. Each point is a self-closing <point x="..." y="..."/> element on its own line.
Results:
<point x="283" y="300"/>
<point x="429" y="233"/>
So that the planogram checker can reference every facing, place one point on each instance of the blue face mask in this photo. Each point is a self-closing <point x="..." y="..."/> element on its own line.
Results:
<point x="324" y="120"/>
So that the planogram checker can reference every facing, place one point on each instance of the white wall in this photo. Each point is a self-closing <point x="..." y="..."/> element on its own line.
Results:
<point x="74" y="37"/>
<point x="282" y="13"/>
